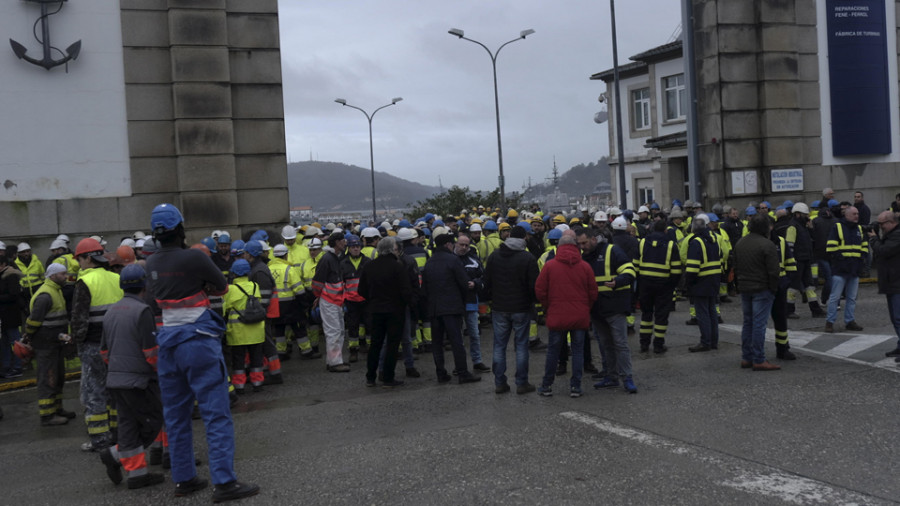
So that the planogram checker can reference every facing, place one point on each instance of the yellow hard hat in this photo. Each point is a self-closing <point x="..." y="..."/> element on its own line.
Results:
<point x="512" y="214"/>
<point x="477" y="220"/>
<point x="559" y="219"/>
<point x="504" y="226"/>
<point x="574" y="220"/>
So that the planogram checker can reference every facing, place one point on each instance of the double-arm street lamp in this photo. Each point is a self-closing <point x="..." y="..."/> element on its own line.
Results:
<point x="371" y="150"/>
<point x="524" y="33"/>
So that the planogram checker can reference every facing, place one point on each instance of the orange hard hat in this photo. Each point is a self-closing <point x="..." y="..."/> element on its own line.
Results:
<point x="126" y="255"/>
<point x="88" y="245"/>
<point x="203" y="248"/>
<point x="23" y="350"/>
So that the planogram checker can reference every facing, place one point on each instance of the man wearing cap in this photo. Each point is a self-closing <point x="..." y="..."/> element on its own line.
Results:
<point x="297" y="252"/>
<point x="128" y="346"/>
<point x="352" y="266"/>
<point x="64" y="256"/>
<point x="509" y="277"/>
<point x="46" y="325"/>
<point x="328" y="288"/>
<point x="31" y="267"/>
<point x="659" y="269"/>
<point x="445" y="284"/>
<point x="191" y="364"/>
<point x="96" y="290"/>
<point x="601" y="224"/>
<point x="222" y="256"/>
<point x="254" y="254"/>
<point x="370" y="237"/>
<point x="800" y="242"/>
<point x="420" y="323"/>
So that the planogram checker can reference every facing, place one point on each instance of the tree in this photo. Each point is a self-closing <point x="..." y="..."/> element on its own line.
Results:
<point x="454" y="200"/>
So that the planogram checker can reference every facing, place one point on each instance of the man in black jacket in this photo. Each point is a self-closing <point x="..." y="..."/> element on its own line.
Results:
<point x="886" y="247"/>
<point x="11" y="303"/>
<point x="386" y="287"/>
<point x="509" y="278"/>
<point x="445" y="284"/>
<point x="475" y="272"/>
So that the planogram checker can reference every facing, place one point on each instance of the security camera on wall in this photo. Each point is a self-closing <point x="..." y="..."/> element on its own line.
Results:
<point x="601" y="98"/>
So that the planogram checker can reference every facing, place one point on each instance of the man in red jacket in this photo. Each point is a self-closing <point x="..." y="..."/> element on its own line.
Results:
<point x="566" y="289"/>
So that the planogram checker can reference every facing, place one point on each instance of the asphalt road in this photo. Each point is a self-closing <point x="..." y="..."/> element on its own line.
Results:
<point x="824" y="430"/>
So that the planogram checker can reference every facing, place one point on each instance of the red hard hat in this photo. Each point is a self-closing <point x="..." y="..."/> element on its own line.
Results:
<point x="88" y="246"/>
<point x="23" y="351"/>
<point x="203" y="248"/>
<point x="125" y="254"/>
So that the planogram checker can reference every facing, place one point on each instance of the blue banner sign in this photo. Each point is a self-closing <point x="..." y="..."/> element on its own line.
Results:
<point x="858" y="73"/>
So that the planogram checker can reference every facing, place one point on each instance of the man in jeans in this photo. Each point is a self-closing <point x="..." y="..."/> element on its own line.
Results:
<point x="848" y="247"/>
<point x="756" y="265"/>
<point x="886" y="246"/>
<point x="509" y="278"/>
<point x="475" y="271"/>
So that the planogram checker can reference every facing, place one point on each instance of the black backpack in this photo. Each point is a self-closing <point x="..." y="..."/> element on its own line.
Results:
<point x="253" y="312"/>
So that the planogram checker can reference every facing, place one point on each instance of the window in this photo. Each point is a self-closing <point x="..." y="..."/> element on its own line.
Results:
<point x="640" y="100"/>
<point x="675" y="97"/>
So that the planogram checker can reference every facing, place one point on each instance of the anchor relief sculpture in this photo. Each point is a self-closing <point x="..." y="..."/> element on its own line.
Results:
<point x="47" y="61"/>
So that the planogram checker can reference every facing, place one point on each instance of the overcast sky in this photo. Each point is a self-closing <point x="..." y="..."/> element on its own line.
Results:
<point x="368" y="52"/>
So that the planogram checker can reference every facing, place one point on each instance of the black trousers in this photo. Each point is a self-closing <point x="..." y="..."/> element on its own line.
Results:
<point x="449" y="326"/>
<point x="656" y="304"/>
<point x="140" y="415"/>
<point x="386" y="331"/>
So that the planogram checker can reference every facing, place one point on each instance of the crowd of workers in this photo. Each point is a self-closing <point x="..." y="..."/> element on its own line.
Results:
<point x="162" y="329"/>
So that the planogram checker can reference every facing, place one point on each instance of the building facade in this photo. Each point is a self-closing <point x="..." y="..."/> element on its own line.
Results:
<point x="792" y="97"/>
<point x="174" y="101"/>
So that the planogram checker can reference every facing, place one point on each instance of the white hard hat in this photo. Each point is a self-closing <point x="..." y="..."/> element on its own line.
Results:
<point x="562" y="227"/>
<point x="600" y="216"/>
<point x="312" y="231"/>
<point x="288" y="232"/>
<point x="440" y="231"/>
<point x="386" y="225"/>
<point x="99" y="239"/>
<point x="127" y="242"/>
<point x="138" y="235"/>
<point x="315" y="243"/>
<point x="620" y="223"/>
<point x="337" y="230"/>
<point x="474" y="228"/>
<point x="405" y="234"/>
<point x="63" y="237"/>
<point x="23" y="246"/>
<point x="58" y="243"/>
<point x="643" y="209"/>
<point x="215" y="234"/>
<point x="329" y="226"/>
<point x="139" y="243"/>
<point x="396" y="222"/>
<point x="369" y="232"/>
<point x="800" y="207"/>
<point x="2" y="246"/>
<point x="614" y="211"/>
<point x="265" y="245"/>
<point x="280" y="250"/>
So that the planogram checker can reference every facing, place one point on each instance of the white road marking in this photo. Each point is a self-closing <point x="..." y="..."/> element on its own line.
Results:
<point x="855" y="343"/>
<point x="750" y="477"/>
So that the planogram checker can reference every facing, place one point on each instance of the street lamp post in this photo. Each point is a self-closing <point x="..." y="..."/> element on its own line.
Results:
<point x="371" y="149"/>
<point x="619" y="142"/>
<point x="524" y="33"/>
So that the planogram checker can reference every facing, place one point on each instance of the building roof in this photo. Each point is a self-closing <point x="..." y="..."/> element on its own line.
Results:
<point x="640" y="61"/>
<point x="675" y="140"/>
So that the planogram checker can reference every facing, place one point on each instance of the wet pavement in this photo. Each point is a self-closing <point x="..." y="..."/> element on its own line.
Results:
<point x="700" y="431"/>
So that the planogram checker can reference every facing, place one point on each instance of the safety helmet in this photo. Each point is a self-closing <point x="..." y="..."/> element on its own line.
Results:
<point x="655" y="206"/>
<point x="833" y="203"/>
<point x="750" y="211"/>
<point x="368" y="232"/>
<point x="475" y="227"/>
<point x="512" y="213"/>
<point x="559" y="218"/>
<point x="253" y="248"/>
<point x="312" y="231"/>
<point x="800" y="207"/>
<point x="526" y="226"/>
<point x="132" y="276"/>
<point x="643" y="209"/>
<point x="600" y="216"/>
<point x="614" y="211"/>
<point x="88" y="245"/>
<point x="125" y="254"/>
<point x="58" y="243"/>
<point x="554" y="234"/>
<point x="816" y="203"/>
<point x="24" y="246"/>
<point x="711" y="217"/>
<point x="240" y="267"/>
<point x="288" y="232"/>
<point x="491" y="226"/>
<point x="165" y="217"/>
<point x="788" y="204"/>
<point x="280" y="250"/>
<point x="353" y="240"/>
<point x="676" y="203"/>
<point x="23" y="350"/>
<point x="203" y="248"/>
<point x="238" y="246"/>
<point x="406" y="234"/>
<point x="224" y="239"/>
<point x="209" y="242"/>
<point x="404" y="224"/>
<point x="504" y="226"/>
<point x="676" y="213"/>
<point x="620" y="223"/>
<point x="574" y="220"/>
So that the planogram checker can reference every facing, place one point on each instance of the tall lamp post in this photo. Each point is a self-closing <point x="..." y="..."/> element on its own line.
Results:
<point x="620" y="150"/>
<point x="371" y="149"/>
<point x="524" y="33"/>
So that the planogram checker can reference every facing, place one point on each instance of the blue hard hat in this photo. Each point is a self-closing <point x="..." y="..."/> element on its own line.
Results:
<point x="461" y="224"/>
<point x="712" y="217"/>
<point x="238" y="246"/>
<point x="224" y="239"/>
<point x="404" y="224"/>
<point x="676" y="202"/>
<point x="628" y="214"/>
<point x="429" y="216"/>
<point x="750" y="211"/>
<point x="524" y="225"/>
<point x="427" y="232"/>
<point x="253" y="248"/>
<point x="165" y="217"/>
<point x="833" y="203"/>
<point x="816" y="203"/>
<point x="438" y="223"/>
<point x="209" y="242"/>
<point x="490" y="225"/>
<point x="788" y="204"/>
<point x="353" y="240"/>
<point x="554" y="234"/>
<point x="780" y="208"/>
<point x="766" y="202"/>
<point x="260" y="235"/>
<point x="132" y="276"/>
<point x="240" y="267"/>
<point x="654" y="206"/>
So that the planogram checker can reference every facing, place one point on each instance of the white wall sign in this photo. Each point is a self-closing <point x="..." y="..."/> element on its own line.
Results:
<point x="744" y="182"/>
<point x="787" y="180"/>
